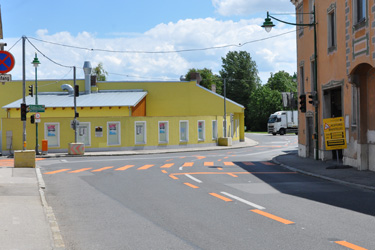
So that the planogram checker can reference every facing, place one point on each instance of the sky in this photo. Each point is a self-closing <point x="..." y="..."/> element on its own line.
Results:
<point x="145" y="40"/>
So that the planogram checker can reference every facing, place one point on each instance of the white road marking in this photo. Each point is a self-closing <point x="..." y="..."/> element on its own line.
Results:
<point x="243" y="201"/>
<point x="193" y="178"/>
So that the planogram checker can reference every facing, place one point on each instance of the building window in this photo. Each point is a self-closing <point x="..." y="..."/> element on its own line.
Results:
<point x="301" y="80"/>
<point x="354" y="105"/>
<point x="84" y="133"/>
<point x="140" y="132"/>
<point x="113" y="133"/>
<point x="359" y="13"/>
<point x="300" y="19"/>
<point x="331" y="29"/>
<point x="52" y="134"/>
<point x="311" y="9"/>
<point x="201" y="131"/>
<point x="214" y="130"/>
<point x="184" y="131"/>
<point x="163" y="132"/>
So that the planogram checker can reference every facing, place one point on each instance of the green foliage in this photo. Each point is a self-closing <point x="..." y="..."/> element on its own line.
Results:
<point x="241" y="75"/>
<point x="282" y="82"/>
<point x="100" y="73"/>
<point x="208" y="78"/>
<point x="263" y="102"/>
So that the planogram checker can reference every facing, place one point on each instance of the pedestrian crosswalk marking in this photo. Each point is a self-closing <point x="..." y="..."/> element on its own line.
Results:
<point x="248" y="163"/>
<point x="79" y="170"/>
<point x="167" y="165"/>
<point x="267" y="163"/>
<point x="188" y="164"/>
<point x="226" y="163"/>
<point x="208" y="163"/>
<point x="101" y="169"/>
<point x="124" y="168"/>
<point x="145" y="167"/>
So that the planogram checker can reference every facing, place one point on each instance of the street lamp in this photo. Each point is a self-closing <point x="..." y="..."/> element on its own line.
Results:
<point x="36" y="64"/>
<point x="268" y="27"/>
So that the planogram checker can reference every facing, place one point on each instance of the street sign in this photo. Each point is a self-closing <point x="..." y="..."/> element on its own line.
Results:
<point x="6" y="61"/>
<point x="334" y="133"/>
<point x="5" y="77"/>
<point x="36" y="108"/>
<point x="37" y="117"/>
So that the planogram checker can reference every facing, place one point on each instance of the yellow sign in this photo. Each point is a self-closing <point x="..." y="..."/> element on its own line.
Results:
<point x="334" y="133"/>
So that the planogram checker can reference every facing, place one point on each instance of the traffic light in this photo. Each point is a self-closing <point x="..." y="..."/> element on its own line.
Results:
<point x="31" y="90"/>
<point x="302" y="102"/>
<point x="76" y="90"/>
<point x="311" y="99"/>
<point x="23" y="111"/>
<point x="32" y="119"/>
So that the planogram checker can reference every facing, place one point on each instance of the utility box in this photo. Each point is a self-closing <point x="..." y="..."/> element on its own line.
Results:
<point x="225" y="141"/>
<point x="44" y="147"/>
<point x="24" y="159"/>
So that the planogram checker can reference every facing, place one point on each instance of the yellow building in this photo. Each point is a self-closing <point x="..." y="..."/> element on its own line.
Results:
<point x="119" y="115"/>
<point x="345" y="76"/>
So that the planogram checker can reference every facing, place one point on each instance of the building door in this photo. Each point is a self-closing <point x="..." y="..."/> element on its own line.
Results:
<point x="336" y="111"/>
<point x="83" y="133"/>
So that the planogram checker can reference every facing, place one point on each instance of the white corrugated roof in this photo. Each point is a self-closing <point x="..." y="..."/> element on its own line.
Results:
<point x="108" y="99"/>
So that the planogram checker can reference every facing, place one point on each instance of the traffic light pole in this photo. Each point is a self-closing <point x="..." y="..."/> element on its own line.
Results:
<point x="24" y="87"/>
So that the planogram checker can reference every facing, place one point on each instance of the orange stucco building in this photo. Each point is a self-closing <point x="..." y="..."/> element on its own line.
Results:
<point x="345" y="60"/>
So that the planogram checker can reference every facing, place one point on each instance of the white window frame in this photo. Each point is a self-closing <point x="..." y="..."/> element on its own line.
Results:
<point x="214" y="130"/>
<point x="203" y="130"/>
<point x="57" y="131"/>
<point x="300" y="19"/>
<point x="311" y="9"/>
<point x="118" y="133"/>
<point x="166" y="132"/>
<point x="144" y="132"/>
<point x="187" y="130"/>
<point x="237" y="122"/>
<point x="331" y="28"/>
<point x="89" y="131"/>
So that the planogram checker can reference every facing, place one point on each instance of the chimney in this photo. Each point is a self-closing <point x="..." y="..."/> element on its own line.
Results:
<point x="196" y="76"/>
<point x="87" y="70"/>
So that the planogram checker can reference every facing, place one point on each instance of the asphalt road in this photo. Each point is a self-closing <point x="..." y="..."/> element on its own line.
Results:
<point x="225" y="199"/>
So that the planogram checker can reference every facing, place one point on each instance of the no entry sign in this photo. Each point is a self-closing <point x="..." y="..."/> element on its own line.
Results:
<point x="6" y="62"/>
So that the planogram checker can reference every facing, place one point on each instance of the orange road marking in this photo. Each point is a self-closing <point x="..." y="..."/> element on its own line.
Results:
<point x="145" y="167"/>
<point x="248" y="163"/>
<point x="164" y="171"/>
<point x="188" y="164"/>
<point x="350" y="245"/>
<point x="182" y="157"/>
<point x="220" y="168"/>
<point x="233" y="175"/>
<point x="226" y="157"/>
<point x="221" y="197"/>
<point x="201" y="157"/>
<point x="273" y="217"/>
<point x="169" y="160"/>
<point x="219" y="160"/>
<point x="228" y="163"/>
<point x="79" y="170"/>
<point x="173" y="177"/>
<point x="58" y="171"/>
<point x="190" y="185"/>
<point x="167" y="165"/>
<point x="101" y="169"/>
<point x="124" y="167"/>
<point x="208" y="163"/>
<point x="267" y="163"/>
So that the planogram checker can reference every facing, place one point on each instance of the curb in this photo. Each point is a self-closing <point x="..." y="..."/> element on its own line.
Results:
<point x="58" y="242"/>
<point x="323" y="177"/>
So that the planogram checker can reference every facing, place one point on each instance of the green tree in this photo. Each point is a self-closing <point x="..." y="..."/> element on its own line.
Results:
<point x="241" y="75"/>
<point x="263" y="102"/>
<point x="101" y="74"/>
<point x="208" y="78"/>
<point x="282" y="81"/>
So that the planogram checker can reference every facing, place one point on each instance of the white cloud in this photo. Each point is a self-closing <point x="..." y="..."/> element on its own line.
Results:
<point x="247" y="7"/>
<point x="270" y="55"/>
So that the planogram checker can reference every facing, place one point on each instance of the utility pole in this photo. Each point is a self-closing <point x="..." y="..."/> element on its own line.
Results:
<point x="225" y="107"/>
<point x="24" y="86"/>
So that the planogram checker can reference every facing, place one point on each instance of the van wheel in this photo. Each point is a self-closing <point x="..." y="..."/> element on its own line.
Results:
<point x="274" y="133"/>
<point x="282" y="131"/>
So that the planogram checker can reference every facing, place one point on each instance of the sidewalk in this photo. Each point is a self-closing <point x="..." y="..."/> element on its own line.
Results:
<point x="25" y="219"/>
<point x="324" y="170"/>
